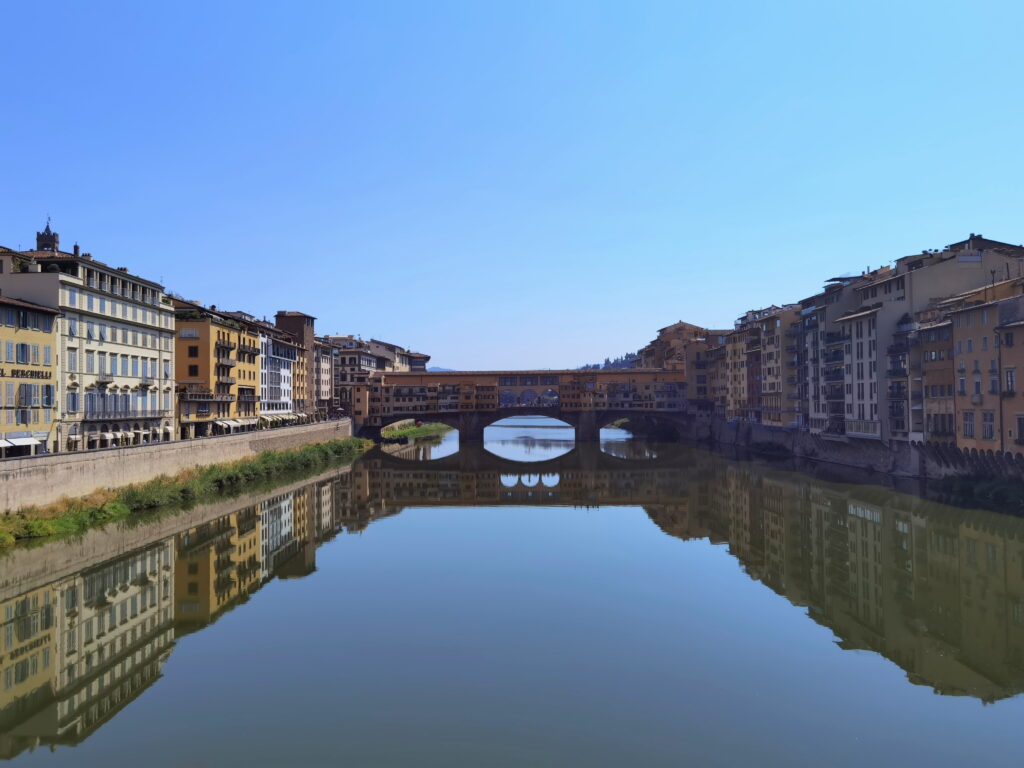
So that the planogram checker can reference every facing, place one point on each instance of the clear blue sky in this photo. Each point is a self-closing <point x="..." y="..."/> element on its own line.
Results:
<point x="509" y="184"/>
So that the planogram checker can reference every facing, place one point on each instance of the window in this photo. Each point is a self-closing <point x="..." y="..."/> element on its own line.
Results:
<point x="72" y="402"/>
<point x="193" y="371"/>
<point x="1011" y="380"/>
<point x="47" y="355"/>
<point x="988" y="420"/>
<point x="968" y="423"/>
<point x="193" y="351"/>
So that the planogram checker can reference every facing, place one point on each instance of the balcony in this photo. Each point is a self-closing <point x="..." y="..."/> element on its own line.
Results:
<point x="752" y="341"/>
<point x="105" y="378"/>
<point x="1008" y="393"/>
<point x="222" y="344"/>
<point x="896" y="373"/>
<point x="121" y="414"/>
<point x="248" y="349"/>
<point x="834" y="375"/>
<point x="977" y="399"/>
<point x="226" y="379"/>
<point x="147" y="381"/>
<point x="898" y="349"/>
<point x="248" y="398"/>
<point x="193" y="393"/>
<point x="227" y="362"/>
<point x="835" y="394"/>
<point x="836" y="337"/>
<point x="897" y="393"/>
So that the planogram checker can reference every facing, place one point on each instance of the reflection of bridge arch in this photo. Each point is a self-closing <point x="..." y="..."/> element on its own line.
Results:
<point x="584" y="456"/>
<point x="588" y="424"/>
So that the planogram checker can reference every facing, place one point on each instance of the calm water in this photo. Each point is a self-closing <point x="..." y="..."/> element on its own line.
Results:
<point x="622" y="604"/>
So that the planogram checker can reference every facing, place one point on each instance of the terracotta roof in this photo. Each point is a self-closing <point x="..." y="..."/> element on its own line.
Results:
<point x="10" y="302"/>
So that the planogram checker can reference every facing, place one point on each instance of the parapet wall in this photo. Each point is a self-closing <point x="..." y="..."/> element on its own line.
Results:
<point x="899" y="459"/>
<point x="44" y="479"/>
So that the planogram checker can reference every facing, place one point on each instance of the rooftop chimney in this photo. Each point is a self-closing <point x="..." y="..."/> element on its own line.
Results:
<point x="77" y="250"/>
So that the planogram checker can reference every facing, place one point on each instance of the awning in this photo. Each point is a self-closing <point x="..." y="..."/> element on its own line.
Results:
<point x="73" y="438"/>
<point x="5" y="444"/>
<point x="222" y="424"/>
<point x="23" y="441"/>
<point x="107" y="435"/>
<point x="232" y="423"/>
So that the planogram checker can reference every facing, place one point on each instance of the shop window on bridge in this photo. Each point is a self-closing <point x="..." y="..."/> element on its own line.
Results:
<point x="527" y="381"/>
<point x="506" y="381"/>
<point x="547" y="380"/>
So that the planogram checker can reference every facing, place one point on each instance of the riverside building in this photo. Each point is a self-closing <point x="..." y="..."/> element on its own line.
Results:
<point x="218" y="372"/>
<point x="116" y="345"/>
<point x="28" y="378"/>
<point x="304" y="381"/>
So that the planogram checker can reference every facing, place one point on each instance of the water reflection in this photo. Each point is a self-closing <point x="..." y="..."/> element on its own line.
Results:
<point x="88" y="625"/>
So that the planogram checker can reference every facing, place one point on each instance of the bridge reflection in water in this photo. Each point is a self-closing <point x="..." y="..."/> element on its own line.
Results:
<point x="88" y="625"/>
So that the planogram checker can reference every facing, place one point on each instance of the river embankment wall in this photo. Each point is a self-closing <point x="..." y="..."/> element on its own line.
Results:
<point x="897" y="458"/>
<point x="26" y="567"/>
<point x="38" y="480"/>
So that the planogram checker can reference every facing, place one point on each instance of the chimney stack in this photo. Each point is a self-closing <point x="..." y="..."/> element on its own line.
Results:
<point x="78" y="251"/>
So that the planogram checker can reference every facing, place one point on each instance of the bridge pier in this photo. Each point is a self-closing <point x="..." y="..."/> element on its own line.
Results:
<point x="586" y="427"/>
<point x="471" y="427"/>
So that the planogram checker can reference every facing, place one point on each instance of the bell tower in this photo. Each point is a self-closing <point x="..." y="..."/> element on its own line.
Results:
<point x="47" y="240"/>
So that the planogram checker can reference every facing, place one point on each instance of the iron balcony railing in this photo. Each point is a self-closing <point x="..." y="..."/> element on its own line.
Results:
<point x="95" y="414"/>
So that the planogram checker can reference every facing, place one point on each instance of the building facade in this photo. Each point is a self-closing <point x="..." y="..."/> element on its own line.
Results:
<point x="217" y="373"/>
<point x="28" y="378"/>
<point x="116" y="348"/>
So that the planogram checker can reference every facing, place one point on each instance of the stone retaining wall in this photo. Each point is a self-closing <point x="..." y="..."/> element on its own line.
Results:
<point x="899" y="459"/>
<point x="26" y="568"/>
<point x="44" y="479"/>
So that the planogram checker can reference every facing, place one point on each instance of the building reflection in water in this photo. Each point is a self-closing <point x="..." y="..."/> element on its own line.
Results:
<point x="936" y="589"/>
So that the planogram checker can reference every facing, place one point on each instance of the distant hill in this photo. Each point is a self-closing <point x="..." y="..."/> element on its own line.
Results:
<point x="435" y="369"/>
<point x="626" y="361"/>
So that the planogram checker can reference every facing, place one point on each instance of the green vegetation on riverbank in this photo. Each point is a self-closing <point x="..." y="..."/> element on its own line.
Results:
<point x="425" y="430"/>
<point x="182" y="490"/>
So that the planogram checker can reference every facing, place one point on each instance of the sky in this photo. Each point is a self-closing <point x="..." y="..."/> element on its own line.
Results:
<point x="509" y="185"/>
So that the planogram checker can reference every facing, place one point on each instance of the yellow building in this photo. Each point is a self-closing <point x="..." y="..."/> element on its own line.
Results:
<point x="28" y="378"/>
<point x="217" y="372"/>
<point x="778" y="385"/>
<point x="218" y="563"/>
<point x="28" y="638"/>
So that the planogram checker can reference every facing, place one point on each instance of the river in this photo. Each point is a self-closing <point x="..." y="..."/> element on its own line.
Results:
<point x="525" y="602"/>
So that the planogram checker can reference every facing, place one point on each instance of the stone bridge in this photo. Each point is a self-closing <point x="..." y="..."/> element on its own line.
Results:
<point x="470" y="401"/>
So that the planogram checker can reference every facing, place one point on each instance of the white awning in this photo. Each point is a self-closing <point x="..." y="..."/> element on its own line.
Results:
<point x="74" y="438"/>
<point x="107" y="435"/>
<point x="223" y="424"/>
<point x="5" y="444"/>
<point x="22" y="441"/>
<point x="232" y="423"/>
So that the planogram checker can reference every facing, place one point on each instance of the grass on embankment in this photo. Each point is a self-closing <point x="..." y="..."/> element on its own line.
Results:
<point x="184" y="489"/>
<point x="426" y="430"/>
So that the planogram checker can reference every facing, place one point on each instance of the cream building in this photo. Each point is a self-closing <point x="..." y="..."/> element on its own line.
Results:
<point x="116" y="345"/>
